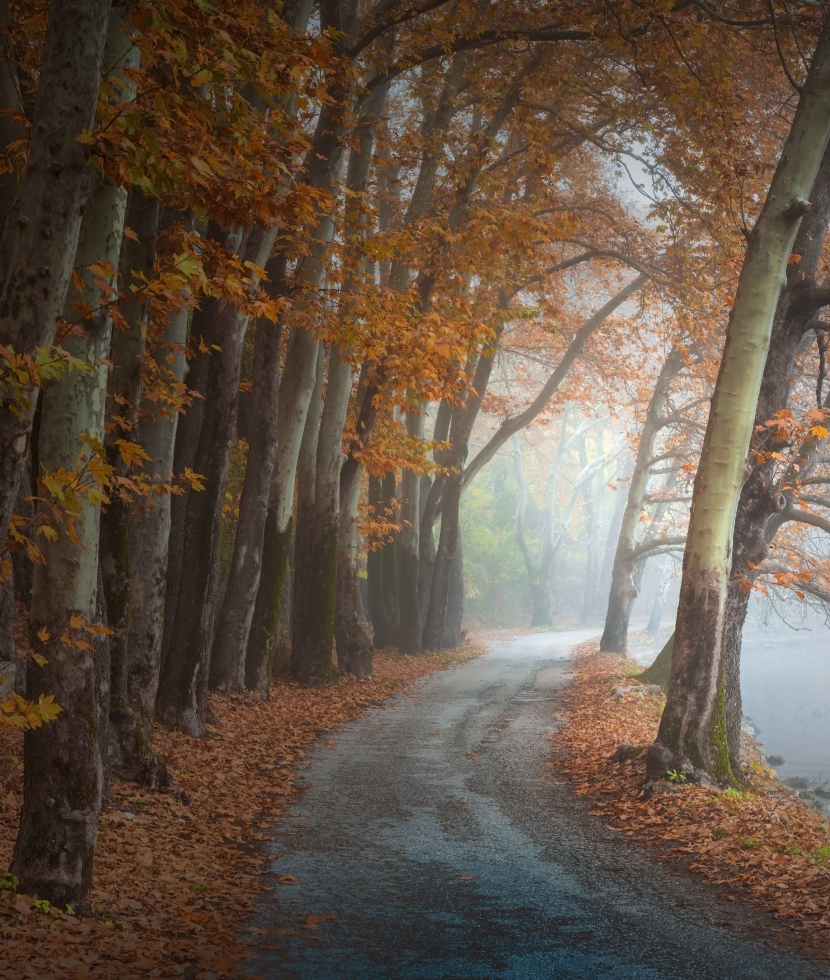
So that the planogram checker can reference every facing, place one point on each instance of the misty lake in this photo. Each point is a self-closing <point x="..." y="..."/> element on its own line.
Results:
<point x="785" y="680"/>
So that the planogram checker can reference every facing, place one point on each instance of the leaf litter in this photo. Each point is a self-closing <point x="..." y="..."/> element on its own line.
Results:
<point x="762" y="845"/>
<point x="177" y="874"/>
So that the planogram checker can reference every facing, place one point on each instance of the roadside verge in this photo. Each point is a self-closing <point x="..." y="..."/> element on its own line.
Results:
<point x="177" y="875"/>
<point x="763" y="845"/>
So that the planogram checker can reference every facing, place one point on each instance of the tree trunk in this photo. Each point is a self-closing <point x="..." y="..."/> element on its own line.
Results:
<point x="123" y="400"/>
<point x="428" y="508"/>
<point x="188" y="431"/>
<point x="453" y="632"/>
<point x="390" y="557"/>
<point x="233" y="630"/>
<point x="148" y="539"/>
<point x="410" y="548"/>
<point x="10" y="129"/>
<point x="23" y="567"/>
<point x="182" y="700"/>
<point x="315" y="613"/>
<point x="538" y="583"/>
<point x="442" y="570"/>
<point x="234" y="626"/>
<point x="382" y="625"/>
<point x="613" y="538"/>
<point x="8" y="655"/>
<point x="63" y="766"/>
<point x="593" y="512"/>
<point x="623" y="590"/>
<point x="656" y="616"/>
<point x="322" y="166"/>
<point x="315" y="554"/>
<point x="38" y="246"/>
<point x="354" y="645"/>
<point x="426" y="552"/>
<point x="660" y="670"/>
<point x="693" y="730"/>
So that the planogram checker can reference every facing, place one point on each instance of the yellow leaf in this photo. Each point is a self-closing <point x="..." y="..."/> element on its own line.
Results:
<point x="76" y="622"/>
<point x="39" y="660"/>
<point x="43" y="634"/>
<point x="46" y="707"/>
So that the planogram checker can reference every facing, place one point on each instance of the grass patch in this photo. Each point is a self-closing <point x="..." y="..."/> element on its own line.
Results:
<point x="737" y="794"/>
<point x="821" y="855"/>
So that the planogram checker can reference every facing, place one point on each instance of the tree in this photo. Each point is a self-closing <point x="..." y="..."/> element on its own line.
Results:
<point x="693" y="732"/>
<point x="44" y="233"/>
<point x="63" y="761"/>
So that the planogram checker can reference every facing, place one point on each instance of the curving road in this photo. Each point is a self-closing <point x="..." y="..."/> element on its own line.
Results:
<point x="442" y="855"/>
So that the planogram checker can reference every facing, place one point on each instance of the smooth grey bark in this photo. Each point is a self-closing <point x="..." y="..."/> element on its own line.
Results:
<point x="620" y="497"/>
<point x="314" y="609"/>
<point x="428" y="503"/>
<point x="410" y="548"/>
<point x="760" y="505"/>
<point x="148" y="540"/>
<point x="352" y="639"/>
<point x="384" y="626"/>
<point x="124" y="397"/>
<point x="312" y="621"/>
<point x="453" y="631"/>
<point x="693" y="733"/>
<point x="63" y="766"/>
<point x="37" y="248"/>
<point x="623" y="590"/>
<point x="592" y="504"/>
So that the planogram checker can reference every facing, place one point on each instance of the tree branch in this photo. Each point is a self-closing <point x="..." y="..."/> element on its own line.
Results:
<point x="577" y="345"/>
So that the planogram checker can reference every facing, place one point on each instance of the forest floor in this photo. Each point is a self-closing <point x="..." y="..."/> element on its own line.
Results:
<point x="763" y="845"/>
<point x="177" y="873"/>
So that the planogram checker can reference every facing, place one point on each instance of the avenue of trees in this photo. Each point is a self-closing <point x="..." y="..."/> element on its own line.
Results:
<point x="283" y="284"/>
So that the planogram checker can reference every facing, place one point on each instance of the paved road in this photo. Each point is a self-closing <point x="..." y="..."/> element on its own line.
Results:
<point x="439" y="864"/>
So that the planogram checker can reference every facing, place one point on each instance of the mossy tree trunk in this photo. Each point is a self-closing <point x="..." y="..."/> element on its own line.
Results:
<point x="693" y="730"/>
<point x="63" y="765"/>
<point x="660" y="670"/>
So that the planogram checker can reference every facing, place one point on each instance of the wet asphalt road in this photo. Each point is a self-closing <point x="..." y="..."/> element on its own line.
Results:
<point x="442" y="855"/>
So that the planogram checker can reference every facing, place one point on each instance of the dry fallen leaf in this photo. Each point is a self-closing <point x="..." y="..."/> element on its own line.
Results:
<point x="313" y="919"/>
